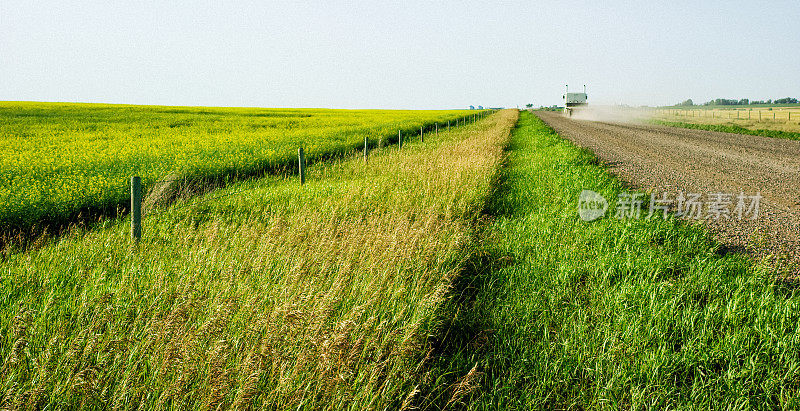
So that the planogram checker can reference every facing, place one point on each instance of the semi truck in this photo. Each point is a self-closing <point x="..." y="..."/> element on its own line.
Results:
<point x="574" y="101"/>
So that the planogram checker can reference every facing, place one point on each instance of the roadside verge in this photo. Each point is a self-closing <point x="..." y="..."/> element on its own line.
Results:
<point x="618" y="313"/>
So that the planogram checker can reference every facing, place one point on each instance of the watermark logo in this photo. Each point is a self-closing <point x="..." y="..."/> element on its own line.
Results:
<point x="695" y="206"/>
<point x="591" y="205"/>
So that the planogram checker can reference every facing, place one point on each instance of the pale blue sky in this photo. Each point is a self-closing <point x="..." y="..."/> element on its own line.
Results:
<point x="411" y="54"/>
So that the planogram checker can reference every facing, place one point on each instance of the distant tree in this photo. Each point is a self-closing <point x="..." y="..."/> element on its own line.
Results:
<point x="529" y="105"/>
<point x="742" y="102"/>
<point x="688" y="102"/>
<point x="722" y="102"/>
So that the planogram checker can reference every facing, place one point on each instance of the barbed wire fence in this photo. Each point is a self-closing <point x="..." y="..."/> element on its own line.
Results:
<point x="758" y="113"/>
<point x="137" y="187"/>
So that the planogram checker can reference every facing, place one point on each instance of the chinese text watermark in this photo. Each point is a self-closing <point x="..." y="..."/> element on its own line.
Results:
<point x="696" y="206"/>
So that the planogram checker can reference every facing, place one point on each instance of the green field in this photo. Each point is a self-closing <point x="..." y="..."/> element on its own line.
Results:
<point x="453" y="273"/>
<point x="58" y="160"/>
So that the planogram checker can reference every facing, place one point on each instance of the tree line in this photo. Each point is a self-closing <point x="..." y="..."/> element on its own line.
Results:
<point x="741" y="102"/>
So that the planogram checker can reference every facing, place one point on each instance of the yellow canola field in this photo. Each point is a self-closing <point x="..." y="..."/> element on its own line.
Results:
<point x="58" y="159"/>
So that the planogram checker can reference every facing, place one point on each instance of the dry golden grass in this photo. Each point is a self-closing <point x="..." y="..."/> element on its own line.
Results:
<point x="279" y="297"/>
<point x="759" y="118"/>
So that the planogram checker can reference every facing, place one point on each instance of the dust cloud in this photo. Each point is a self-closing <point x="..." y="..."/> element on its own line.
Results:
<point x="616" y="114"/>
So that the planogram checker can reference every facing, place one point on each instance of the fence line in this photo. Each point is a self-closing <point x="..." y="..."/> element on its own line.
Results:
<point x="733" y="114"/>
<point x="136" y="181"/>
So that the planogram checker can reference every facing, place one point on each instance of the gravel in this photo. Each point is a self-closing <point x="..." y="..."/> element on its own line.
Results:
<point x="657" y="159"/>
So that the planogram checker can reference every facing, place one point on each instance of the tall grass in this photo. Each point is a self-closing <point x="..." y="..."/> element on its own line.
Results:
<point x="278" y="297"/>
<point x="613" y="313"/>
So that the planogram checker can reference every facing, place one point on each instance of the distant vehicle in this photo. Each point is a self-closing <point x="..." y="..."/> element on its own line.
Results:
<point x="573" y="101"/>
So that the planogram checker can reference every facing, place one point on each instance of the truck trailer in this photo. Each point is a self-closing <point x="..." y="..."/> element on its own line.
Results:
<point x="574" y="101"/>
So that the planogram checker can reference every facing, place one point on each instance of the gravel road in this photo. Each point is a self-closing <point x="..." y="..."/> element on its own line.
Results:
<point x="658" y="159"/>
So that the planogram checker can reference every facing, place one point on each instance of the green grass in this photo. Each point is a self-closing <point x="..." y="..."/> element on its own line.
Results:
<point x="263" y="294"/>
<point x="425" y="277"/>
<point x="58" y="160"/>
<point x="731" y="128"/>
<point x="612" y="313"/>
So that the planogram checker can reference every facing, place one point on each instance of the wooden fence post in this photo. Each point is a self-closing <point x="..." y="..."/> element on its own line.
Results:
<point x="136" y="208"/>
<point x="448" y="125"/>
<point x="399" y="139"/>
<point x="365" y="148"/>
<point x="301" y="163"/>
<point x="421" y="135"/>
<point x="437" y="129"/>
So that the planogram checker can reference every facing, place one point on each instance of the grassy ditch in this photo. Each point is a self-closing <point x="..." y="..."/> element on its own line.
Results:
<point x="730" y="128"/>
<point x="611" y="313"/>
<point x="264" y="294"/>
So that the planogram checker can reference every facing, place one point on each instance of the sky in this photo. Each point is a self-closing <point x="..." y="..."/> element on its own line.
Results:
<point x="396" y="55"/>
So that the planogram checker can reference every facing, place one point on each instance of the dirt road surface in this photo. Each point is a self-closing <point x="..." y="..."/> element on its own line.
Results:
<point x="658" y="159"/>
